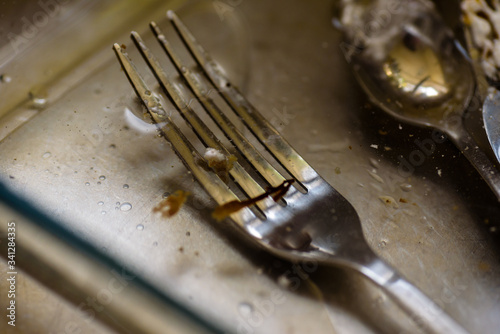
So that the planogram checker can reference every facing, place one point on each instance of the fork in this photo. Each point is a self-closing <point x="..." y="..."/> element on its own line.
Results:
<point x="313" y="222"/>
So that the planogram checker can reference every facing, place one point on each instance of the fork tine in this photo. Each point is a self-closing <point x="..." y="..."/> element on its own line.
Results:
<point x="202" y="92"/>
<point x="258" y="125"/>
<point x="239" y="174"/>
<point x="184" y="149"/>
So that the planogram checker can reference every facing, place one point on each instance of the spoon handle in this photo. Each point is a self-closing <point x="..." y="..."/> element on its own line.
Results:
<point x="470" y="149"/>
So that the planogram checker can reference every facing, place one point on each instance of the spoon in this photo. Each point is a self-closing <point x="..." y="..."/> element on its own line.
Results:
<point x="491" y="118"/>
<point x="410" y="65"/>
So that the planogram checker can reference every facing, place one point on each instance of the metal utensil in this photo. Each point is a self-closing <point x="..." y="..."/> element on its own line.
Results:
<point x="316" y="223"/>
<point x="491" y="118"/>
<point x="481" y="46"/>
<point x="412" y="68"/>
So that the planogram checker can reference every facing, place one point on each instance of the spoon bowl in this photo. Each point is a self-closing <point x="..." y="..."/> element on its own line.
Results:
<point x="412" y="67"/>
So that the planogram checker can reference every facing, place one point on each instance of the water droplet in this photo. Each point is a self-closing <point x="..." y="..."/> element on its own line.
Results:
<point x="102" y="177"/>
<point x="406" y="187"/>
<point x="374" y="163"/>
<point x="147" y="92"/>
<point x="46" y="155"/>
<point x="101" y="203"/>
<point x="284" y="281"/>
<point x="375" y="176"/>
<point x="245" y="308"/>
<point x="98" y="182"/>
<point x="38" y="101"/>
<point x="5" y="78"/>
<point x="117" y="203"/>
<point x="183" y="69"/>
<point x="103" y="212"/>
<point x="125" y="186"/>
<point x="125" y="206"/>
<point x="87" y="183"/>
<point x="140" y="227"/>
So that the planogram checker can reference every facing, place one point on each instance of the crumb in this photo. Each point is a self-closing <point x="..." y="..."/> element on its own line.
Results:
<point x="388" y="200"/>
<point x="382" y="132"/>
<point x="350" y="147"/>
<point x="196" y="253"/>
<point x="172" y="204"/>
<point x="402" y="200"/>
<point x="219" y="162"/>
<point x="484" y="266"/>
<point x="337" y="170"/>
<point x="181" y="249"/>
<point x="374" y="146"/>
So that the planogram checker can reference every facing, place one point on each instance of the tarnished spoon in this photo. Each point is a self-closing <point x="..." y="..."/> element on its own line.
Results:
<point x="408" y="62"/>
<point x="482" y="28"/>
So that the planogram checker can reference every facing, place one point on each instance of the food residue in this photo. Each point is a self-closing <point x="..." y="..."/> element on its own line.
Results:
<point x="219" y="162"/>
<point x="227" y="209"/>
<point x="172" y="204"/>
<point x="482" y="18"/>
<point x="388" y="200"/>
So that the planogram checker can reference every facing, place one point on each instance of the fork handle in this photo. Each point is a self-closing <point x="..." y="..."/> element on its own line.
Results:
<point x="426" y="314"/>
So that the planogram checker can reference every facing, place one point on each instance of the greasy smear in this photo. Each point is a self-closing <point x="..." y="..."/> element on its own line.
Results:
<point x="276" y="193"/>
<point x="172" y="204"/>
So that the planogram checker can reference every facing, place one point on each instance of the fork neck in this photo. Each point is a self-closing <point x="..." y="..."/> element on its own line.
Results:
<point x="370" y="265"/>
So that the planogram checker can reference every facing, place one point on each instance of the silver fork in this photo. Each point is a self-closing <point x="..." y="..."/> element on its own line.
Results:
<point x="315" y="223"/>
